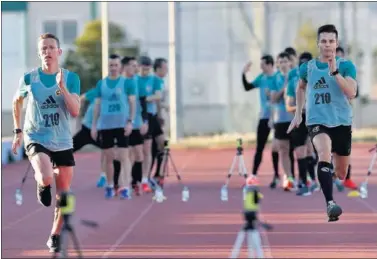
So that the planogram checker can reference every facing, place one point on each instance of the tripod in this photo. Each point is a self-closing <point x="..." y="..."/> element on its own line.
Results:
<point x="165" y="172"/>
<point x="241" y="169"/>
<point x="67" y="207"/>
<point x="250" y="230"/>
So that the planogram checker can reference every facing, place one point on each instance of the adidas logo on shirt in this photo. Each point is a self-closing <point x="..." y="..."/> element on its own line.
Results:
<point x="49" y="103"/>
<point x="113" y="97"/>
<point x="321" y="83"/>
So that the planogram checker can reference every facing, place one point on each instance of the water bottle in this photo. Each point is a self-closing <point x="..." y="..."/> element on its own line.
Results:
<point x="224" y="193"/>
<point x="185" y="194"/>
<point x="18" y="197"/>
<point x="363" y="191"/>
<point x="159" y="195"/>
<point x="244" y="192"/>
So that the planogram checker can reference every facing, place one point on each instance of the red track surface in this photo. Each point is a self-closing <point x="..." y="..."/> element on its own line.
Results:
<point x="204" y="227"/>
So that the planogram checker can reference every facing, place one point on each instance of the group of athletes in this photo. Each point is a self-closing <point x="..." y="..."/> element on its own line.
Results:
<point x="130" y="95"/>
<point x="124" y="111"/>
<point x="307" y="104"/>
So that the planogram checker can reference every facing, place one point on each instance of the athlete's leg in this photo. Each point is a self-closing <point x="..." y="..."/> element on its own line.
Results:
<point x="159" y="136"/>
<point x="311" y="159"/>
<point x="283" y="147"/>
<point x="147" y="163"/>
<point x="81" y="139"/>
<point x="341" y="148"/>
<point x="137" y="169"/>
<point x="116" y="166"/>
<point x="123" y="155"/>
<point x="283" y="144"/>
<point x="275" y="163"/>
<point x="298" y="140"/>
<point x="263" y="131"/>
<point x="322" y="142"/>
<point x="63" y="163"/>
<point x="107" y="145"/>
<point x="40" y="160"/>
<point x="292" y="160"/>
<point x="348" y="182"/>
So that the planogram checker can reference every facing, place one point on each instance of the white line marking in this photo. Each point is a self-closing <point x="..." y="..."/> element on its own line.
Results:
<point x="366" y="204"/>
<point x="128" y="231"/>
<point x="37" y="210"/>
<point x="14" y="223"/>
<point x="133" y="225"/>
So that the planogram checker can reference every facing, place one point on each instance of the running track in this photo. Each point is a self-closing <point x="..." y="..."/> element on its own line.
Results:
<point x="202" y="228"/>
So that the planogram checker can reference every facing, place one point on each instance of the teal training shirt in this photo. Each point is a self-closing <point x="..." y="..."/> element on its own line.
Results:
<point x="47" y="120"/>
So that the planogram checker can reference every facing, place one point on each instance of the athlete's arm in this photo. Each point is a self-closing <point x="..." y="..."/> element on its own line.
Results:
<point x="130" y="86"/>
<point x="300" y="96"/>
<point x="71" y="92"/>
<point x="157" y="91"/>
<point x="250" y="86"/>
<point x="97" y="105"/>
<point x="346" y="79"/>
<point x="301" y="88"/>
<point x="155" y="97"/>
<point x="143" y="104"/>
<point x="18" y="100"/>
<point x="277" y="95"/>
<point x="290" y="97"/>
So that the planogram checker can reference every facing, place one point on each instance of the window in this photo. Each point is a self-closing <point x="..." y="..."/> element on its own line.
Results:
<point x="65" y="30"/>
<point x="69" y="33"/>
<point x="50" y="27"/>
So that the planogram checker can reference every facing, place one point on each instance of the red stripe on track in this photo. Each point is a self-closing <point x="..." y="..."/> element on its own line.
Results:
<point x="204" y="227"/>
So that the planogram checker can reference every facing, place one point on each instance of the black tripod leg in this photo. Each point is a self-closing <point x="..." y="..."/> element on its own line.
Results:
<point x="76" y="243"/>
<point x="175" y="168"/>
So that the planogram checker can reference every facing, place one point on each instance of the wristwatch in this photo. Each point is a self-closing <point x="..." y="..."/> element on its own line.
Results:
<point x="335" y="72"/>
<point x="130" y="121"/>
<point x="16" y="131"/>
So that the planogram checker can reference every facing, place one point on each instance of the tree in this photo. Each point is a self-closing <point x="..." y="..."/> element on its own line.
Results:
<point x="86" y="59"/>
<point x="306" y="39"/>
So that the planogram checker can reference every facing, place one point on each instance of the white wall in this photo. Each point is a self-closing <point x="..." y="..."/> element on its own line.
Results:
<point x="13" y="55"/>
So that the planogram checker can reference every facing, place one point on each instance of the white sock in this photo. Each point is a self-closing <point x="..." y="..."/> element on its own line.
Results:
<point x="110" y="185"/>
<point x="144" y="180"/>
<point x="103" y="174"/>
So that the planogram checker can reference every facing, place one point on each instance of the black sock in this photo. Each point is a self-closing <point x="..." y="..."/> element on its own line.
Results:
<point x="116" y="165"/>
<point x="159" y="157"/>
<point x="292" y="158"/>
<point x="302" y="170"/>
<point x="325" y="178"/>
<point x="275" y="163"/>
<point x="311" y="167"/>
<point x="137" y="173"/>
<point x="348" y="176"/>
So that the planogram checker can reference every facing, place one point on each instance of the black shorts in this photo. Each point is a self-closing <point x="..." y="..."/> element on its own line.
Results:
<point x="341" y="137"/>
<point x="281" y="130"/>
<point x="83" y="138"/>
<point x="113" y="137"/>
<point x="58" y="158"/>
<point x="136" y="138"/>
<point x="154" y="127"/>
<point x="300" y="135"/>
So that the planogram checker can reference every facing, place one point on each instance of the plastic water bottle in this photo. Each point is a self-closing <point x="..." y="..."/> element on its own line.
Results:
<point x="185" y="194"/>
<point x="363" y="191"/>
<point x="244" y="192"/>
<point x="18" y="197"/>
<point x="159" y="195"/>
<point x="224" y="193"/>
